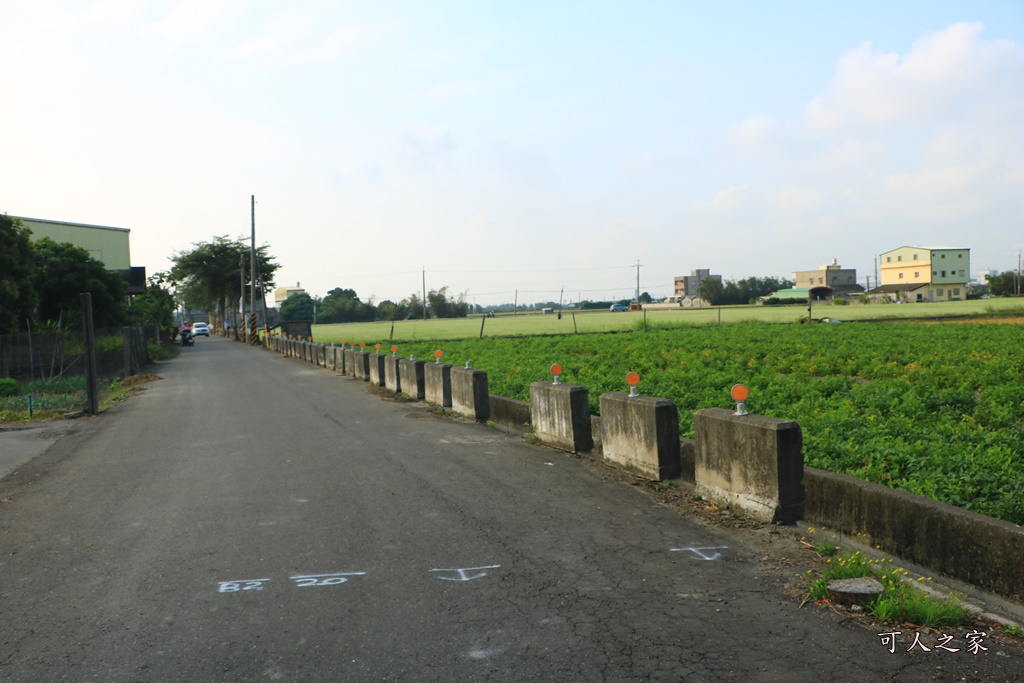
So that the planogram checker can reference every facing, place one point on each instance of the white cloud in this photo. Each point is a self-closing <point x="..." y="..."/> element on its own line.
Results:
<point x="192" y="19"/>
<point x="945" y="74"/>
<point x="341" y="42"/>
<point x="730" y="198"/>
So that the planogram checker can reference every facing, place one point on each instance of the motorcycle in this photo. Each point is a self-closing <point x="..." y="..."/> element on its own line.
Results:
<point x="187" y="339"/>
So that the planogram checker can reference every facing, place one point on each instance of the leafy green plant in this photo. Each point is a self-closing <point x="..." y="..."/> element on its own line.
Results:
<point x="8" y="387"/>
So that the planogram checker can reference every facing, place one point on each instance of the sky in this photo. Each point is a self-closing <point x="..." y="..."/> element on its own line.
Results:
<point x="519" y="150"/>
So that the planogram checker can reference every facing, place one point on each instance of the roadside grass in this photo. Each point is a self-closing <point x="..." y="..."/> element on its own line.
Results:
<point x="901" y="602"/>
<point x="60" y="396"/>
<point x="44" y="400"/>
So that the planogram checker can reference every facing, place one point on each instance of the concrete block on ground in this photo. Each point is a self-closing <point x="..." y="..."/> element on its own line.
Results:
<point x="437" y="384"/>
<point x="641" y="434"/>
<point x="392" y="374"/>
<point x="377" y="369"/>
<point x="411" y="375"/>
<point x="560" y="415"/>
<point x="331" y="361"/>
<point x="361" y="365"/>
<point x="469" y="393"/>
<point x="751" y="461"/>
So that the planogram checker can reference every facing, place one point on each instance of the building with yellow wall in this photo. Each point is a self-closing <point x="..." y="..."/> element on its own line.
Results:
<point x="925" y="273"/>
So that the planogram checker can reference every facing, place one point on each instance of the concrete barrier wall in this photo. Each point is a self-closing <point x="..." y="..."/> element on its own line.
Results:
<point x="979" y="550"/>
<point x="641" y="434"/>
<point x="437" y="384"/>
<point x="560" y="415"/>
<point x="469" y="393"/>
<point x="412" y="378"/>
<point x="392" y="375"/>
<point x="751" y="461"/>
<point x="509" y="413"/>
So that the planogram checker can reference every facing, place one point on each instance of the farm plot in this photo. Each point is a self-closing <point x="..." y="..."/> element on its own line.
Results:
<point x="936" y="410"/>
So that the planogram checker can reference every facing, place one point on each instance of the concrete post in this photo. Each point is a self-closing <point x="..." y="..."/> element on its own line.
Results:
<point x="437" y="384"/>
<point x="641" y="434"/>
<point x="469" y="393"/>
<point x="560" y="415"/>
<point x="361" y="368"/>
<point x="412" y="377"/>
<point x="377" y="369"/>
<point x="392" y="374"/>
<point x="751" y="461"/>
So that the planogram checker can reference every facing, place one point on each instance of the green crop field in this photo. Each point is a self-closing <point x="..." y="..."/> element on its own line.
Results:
<point x="934" y="409"/>
<point x="604" y="321"/>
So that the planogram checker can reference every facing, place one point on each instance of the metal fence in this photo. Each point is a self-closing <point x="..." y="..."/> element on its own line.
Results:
<point x="119" y="351"/>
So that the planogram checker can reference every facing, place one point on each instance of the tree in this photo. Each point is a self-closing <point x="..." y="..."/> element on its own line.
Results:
<point x="17" y="289"/>
<point x="444" y="306"/>
<point x="1004" y="284"/>
<point x="389" y="310"/>
<point x="711" y="290"/>
<point x="343" y="306"/>
<point x="63" y="271"/>
<point x="414" y="306"/>
<point x="156" y="306"/>
<point x="744" y="291"/>
<point x="209" y="276"/>
<point x="297" y="307"/>
<point x="645" y="298"/>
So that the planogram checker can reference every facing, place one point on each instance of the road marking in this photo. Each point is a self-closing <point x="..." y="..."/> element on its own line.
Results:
<point x="697" y="551"/>
<point x="463" y="576"/>
<point x="241" y="585"/>
<point x="307" y="580"/>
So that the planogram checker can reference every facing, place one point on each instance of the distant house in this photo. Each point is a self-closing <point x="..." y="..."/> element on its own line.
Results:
<point x="108" y="245"/>
<point x="836" y="280"/>
<point x="918" y="274"/>
<point x="686" y="287"/>
<point x="281" y="294"/>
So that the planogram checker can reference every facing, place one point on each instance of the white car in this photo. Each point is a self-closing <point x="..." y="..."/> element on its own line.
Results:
<point x="200" y="329"/>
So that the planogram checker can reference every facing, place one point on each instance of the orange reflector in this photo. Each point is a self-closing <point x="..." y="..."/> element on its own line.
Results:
<point x="632" y="379"/>
<point x="739" y="393"/>
<point x="556" y="369"/>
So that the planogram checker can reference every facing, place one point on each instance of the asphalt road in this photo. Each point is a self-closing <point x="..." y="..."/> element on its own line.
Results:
<point x="251" y="518"/>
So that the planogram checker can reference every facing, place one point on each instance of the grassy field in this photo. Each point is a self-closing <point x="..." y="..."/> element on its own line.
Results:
<point x="604" y="321"/>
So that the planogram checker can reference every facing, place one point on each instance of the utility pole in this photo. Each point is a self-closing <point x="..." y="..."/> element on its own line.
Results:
<point x="241" y="297"/>
<point x="1018" y="273"/>
<point x="252" y="276"/>
<point x="638" y="282"/>
<point x="424" y="292"/>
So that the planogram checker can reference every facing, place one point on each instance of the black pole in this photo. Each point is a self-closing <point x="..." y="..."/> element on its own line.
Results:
<point x="89" y="338"/>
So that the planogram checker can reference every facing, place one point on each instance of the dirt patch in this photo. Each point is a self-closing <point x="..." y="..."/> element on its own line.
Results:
<point x="141" y="378"/>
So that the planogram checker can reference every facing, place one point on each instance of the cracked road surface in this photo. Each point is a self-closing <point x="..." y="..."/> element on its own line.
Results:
<point x="251" y="518"/>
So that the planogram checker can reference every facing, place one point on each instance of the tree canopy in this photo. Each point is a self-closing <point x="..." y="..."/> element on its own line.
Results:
<point x="745" y="291"/>
<point x="210" y="275"/>
<point x="63" y="271"/>
<point x="297" y="307"/>
<point x="17" y="286"/>
<point x="1004" y="284"/>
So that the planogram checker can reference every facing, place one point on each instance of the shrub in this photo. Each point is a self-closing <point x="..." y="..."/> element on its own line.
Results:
<point x="8" y="387"/>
